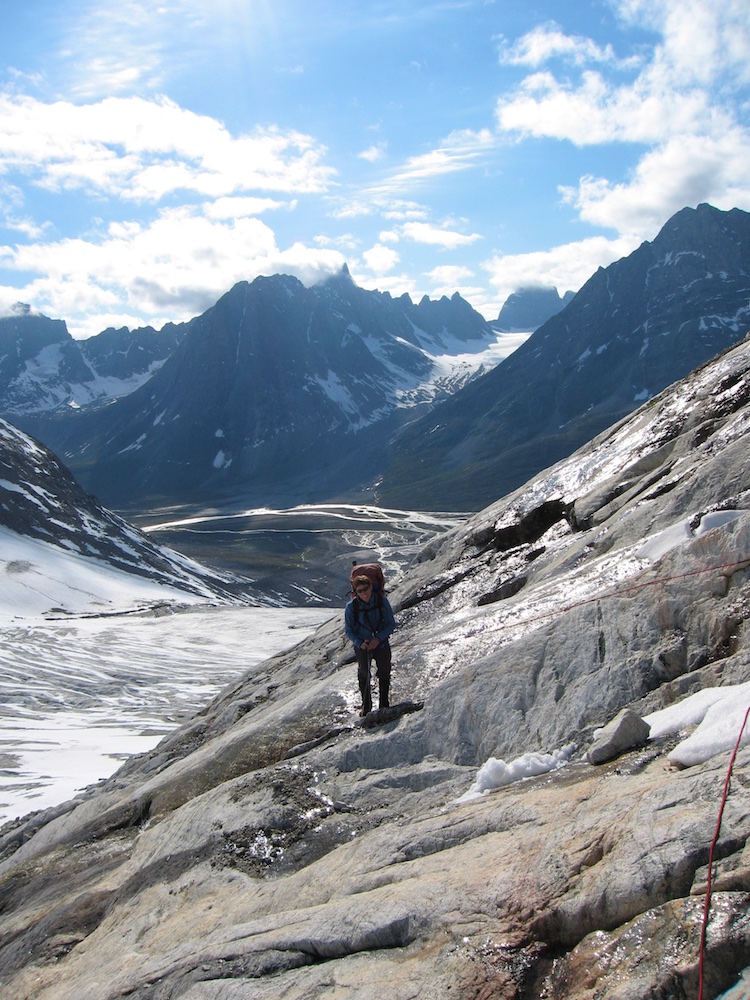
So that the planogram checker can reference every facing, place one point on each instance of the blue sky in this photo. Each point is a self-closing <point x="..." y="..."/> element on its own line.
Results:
<point x="151" y="155"/>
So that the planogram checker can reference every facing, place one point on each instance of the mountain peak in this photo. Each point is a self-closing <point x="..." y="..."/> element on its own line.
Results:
<point x="341" y="277"/>
<point x="632" y="329"/>
<point x="530" y="306"/>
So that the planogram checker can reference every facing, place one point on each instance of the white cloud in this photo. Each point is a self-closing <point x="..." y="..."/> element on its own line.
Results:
<point x="680" y="88"/>
<point x="387" y="207"/>
<point x="373" y="153"/>
<point x="683" y="171"/>
<point x="548" y="41"/>
<point x="702" y="41"/>
<point x="594" y="111"/>
<point x="449" y="274"/>
<point x="461" y="150"/>
<point x="309" y="265"/>
<point x="565" y="267"/>
<point x="11" y="203"/>
<point x="11" y="196"/>
<point x="147" y="149"/>
<point x="380" y="259"/>
<point x="27" y="227"/>
<point x="346" y="242"/>
<point x="168" y="265"/>
<point x="428" y="234"/>
<point x="113" y="46"/>
<point x="398" y="210"/>
<point x="424" y="232"/>
<point x="170" y="269"/>
<point x="353" y="208"/>
<point x="235" y="208"/>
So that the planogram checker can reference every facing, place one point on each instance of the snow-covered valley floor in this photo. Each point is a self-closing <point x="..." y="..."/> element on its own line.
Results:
<point x="90" y="675"/>
<point x="77" y="697"/>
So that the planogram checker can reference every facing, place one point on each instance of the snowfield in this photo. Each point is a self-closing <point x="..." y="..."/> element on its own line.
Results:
<point x="43" y="579"/>
<point x="97" y="664"/>
<point x="80" y="696"/>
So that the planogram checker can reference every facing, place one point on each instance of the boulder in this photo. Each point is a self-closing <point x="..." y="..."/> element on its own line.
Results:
<point x="626" y="731"/>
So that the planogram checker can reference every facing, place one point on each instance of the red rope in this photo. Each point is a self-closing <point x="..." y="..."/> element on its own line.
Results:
<point x="707" y="904"/>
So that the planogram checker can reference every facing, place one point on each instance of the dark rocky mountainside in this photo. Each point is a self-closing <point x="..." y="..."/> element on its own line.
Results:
<point x="281" y="394"/>
<point x="276" y="392"/>
<point x="634" y="328"/>
<point x="121" y="354"/>
<point x="39" y="499"/>
<point x="39" y="362"/>
<point x="279" y="847"/>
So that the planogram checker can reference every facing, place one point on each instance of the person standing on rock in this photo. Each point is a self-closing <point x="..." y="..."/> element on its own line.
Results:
<point x="369" y="623"/>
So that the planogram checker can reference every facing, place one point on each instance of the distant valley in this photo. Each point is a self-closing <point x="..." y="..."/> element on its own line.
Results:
<point x="301" y="555"/>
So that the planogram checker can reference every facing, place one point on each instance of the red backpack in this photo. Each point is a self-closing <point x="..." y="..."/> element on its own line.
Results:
<point x="373" y="572"/>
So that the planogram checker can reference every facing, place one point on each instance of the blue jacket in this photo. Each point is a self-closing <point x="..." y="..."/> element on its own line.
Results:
<point x="372" y="619"/>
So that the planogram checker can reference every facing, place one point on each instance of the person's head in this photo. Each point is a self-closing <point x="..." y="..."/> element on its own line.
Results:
<point x="363" y="587"/>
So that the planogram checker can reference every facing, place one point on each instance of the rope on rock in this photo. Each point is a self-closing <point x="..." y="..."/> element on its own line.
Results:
<point x="722" y="568"/>
<point x="707" y="903"/>
<point x="729" y="567"/>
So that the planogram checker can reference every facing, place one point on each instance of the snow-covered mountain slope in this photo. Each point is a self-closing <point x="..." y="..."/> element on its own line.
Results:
<point x="61" y="552"/>
<point x="41" y="579"/>
<point x="42" y="368"/>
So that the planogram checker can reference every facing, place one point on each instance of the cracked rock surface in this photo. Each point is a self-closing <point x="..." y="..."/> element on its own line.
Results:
<point x="273" y="848"/>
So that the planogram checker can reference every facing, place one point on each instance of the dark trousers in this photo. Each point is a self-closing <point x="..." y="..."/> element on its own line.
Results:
<point x="382" y="657"/>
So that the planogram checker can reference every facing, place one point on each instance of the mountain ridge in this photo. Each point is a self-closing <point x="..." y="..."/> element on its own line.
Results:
<point x="634" y="328"/>
<point x="274" y="375"/>
<point x="42" y="368"/>
<point x="283" y="394"/>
